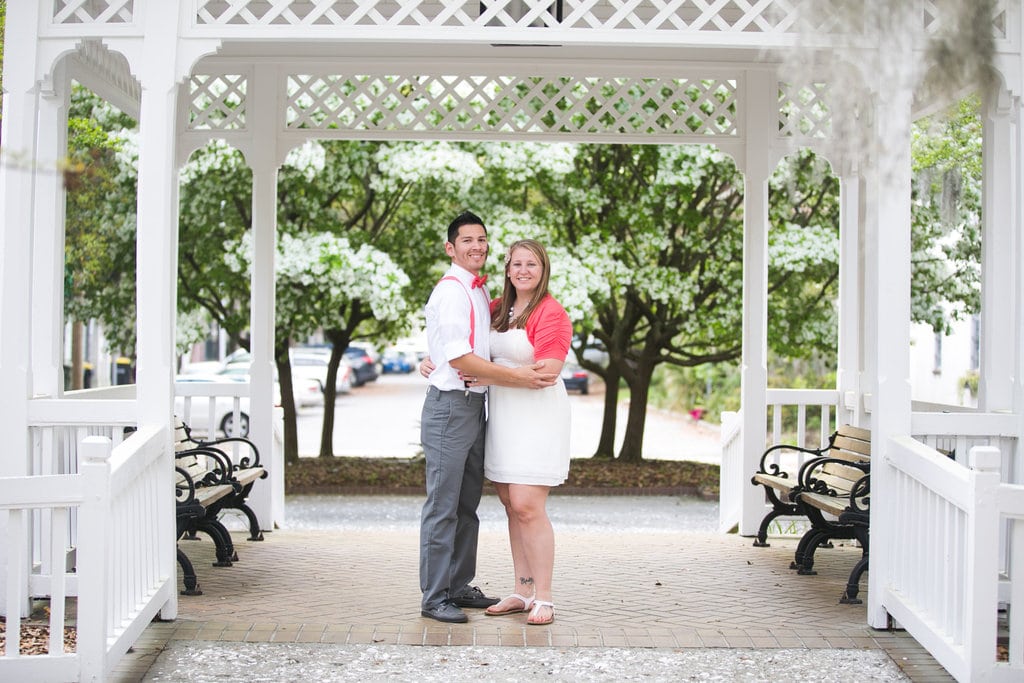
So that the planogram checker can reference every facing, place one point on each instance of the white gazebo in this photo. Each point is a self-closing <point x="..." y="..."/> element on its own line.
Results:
<point x="267" y="75"/>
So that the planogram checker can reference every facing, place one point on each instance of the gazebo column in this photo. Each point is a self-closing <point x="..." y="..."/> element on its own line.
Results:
<point x="156" y="251"/>
<point x="18" y="176"/>
<point x="48" y="242"/>
<point x="851" y="308"/>
<point x="754" y="367"/>
<point x="267" y="497"/>
<point x="887" y="299"/>
<point x="156" y="248"/>
<point x="1001" y="207"/>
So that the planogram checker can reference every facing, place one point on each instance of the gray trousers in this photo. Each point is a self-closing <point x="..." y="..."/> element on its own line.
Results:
<point x="452" y="433"/>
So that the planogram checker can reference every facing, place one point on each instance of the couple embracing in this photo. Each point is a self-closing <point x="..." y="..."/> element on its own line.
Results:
<point x="509" y="353"/>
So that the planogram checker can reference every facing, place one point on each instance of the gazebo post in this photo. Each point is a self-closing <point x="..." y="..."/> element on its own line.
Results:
<point x="887" y="303"/>
<point x="18" y="175"/>
<point x="47" y="332"/>
<point x="1001" y="211"/>
<point x="263" y="155"/>
<point x="154" y="62"/>
<point x="757" y="168"/>
<point x="850" y="409"/>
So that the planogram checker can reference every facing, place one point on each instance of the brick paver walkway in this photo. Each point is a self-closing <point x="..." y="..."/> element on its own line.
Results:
<point x="642" y="590"/>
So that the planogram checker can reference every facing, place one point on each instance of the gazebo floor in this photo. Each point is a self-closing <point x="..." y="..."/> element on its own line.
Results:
<point x="637" y="590"/>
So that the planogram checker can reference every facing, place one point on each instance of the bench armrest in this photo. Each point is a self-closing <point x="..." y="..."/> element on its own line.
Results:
<point x="806" y="481"/>
<point x="218" y="472"/>
<point x="764" y="467"/>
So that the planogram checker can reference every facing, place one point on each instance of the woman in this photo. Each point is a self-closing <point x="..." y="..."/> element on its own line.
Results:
<point x="527" y="441"/>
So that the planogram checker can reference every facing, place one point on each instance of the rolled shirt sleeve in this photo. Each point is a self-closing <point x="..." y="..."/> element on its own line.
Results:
<point x="448" y="313"/>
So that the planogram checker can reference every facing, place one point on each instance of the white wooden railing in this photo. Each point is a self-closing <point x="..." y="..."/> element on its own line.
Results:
<point x="125" y="563"/>
<point x="791" y="412"/>
<point x="956" y="432"/>
<point x="942" y="564"/>
<point x="57" y="427"/>
<point x="731" y="477"/>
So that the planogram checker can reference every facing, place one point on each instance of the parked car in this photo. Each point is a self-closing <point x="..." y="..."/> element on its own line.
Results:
<point x="593" y="349"/>
<point x="314" y="366"/>
<point x="396" y="361"/>
<point x="575" y="378"/>
<point x="198" y="414"/>
<point x="364" y="368"/>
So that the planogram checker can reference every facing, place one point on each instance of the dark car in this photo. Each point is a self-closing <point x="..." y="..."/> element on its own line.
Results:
<point x="575" y="378"/>
<point x="364" y="369"/>
<point x="397" y="361"/>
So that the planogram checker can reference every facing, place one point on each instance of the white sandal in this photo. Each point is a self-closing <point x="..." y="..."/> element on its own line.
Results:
<point x="491" y="612"/>
<point x="541" y="603"/>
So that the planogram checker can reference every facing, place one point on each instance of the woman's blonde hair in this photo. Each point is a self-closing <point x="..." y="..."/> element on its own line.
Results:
<point x="501" y="318"/>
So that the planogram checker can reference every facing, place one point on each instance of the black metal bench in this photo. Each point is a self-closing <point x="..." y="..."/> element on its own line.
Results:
<point x="838" y="507"/>
<point x="200" y="489"/>
<point x="781" y="482"/>
<point x="243" y="459"/>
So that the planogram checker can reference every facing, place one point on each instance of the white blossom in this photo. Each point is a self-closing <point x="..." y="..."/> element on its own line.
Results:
<point x="794" y="248"/>
<point x="308" y="159"/>
<point x="216" y="156"/>
<point x="438" y="162"/>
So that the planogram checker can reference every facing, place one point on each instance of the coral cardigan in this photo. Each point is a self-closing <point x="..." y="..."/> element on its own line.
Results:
<point x="548" y="329"/>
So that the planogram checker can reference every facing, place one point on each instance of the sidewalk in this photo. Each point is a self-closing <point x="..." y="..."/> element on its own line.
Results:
<point x="652" y="603"/>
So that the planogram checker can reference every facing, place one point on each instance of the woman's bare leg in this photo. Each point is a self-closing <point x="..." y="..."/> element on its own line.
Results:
<point x="524" y="582"/>
<point x="527" y="506"/>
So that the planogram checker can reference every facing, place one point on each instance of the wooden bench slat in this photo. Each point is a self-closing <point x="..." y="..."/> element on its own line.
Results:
<point x="852" y="432"/>
<point x="854" y="447"/>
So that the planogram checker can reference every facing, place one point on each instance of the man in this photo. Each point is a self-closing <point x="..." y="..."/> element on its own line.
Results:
<point x="452" y="425"/>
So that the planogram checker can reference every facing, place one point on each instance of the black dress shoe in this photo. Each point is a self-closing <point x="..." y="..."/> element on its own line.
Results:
<point x="446" y="612"/>
<point x="471" y="596"/>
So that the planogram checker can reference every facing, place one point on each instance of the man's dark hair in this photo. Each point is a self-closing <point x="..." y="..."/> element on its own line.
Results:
<point x="464" y="218"/>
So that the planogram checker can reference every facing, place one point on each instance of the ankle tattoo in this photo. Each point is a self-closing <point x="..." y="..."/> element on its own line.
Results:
<point x="526" y="580"/>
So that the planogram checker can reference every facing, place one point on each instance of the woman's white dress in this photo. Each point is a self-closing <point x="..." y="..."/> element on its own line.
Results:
<point x="527" y="429"/>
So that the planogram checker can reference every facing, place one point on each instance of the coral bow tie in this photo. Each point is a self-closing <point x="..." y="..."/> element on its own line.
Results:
<point x="479" y="281"/>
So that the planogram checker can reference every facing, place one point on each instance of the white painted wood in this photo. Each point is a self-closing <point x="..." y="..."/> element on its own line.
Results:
<point x="19" y="133"/>
<point x="888" y="304"/>
<point x="731" y="473"/>
<point x="264" y="157"/>
<point x="48" y="240"/>
<point x="851" y="290"/>
<point x="1000" y="271"/>
<point x="754" y="372"/>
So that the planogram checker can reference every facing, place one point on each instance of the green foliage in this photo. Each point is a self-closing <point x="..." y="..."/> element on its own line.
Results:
<point x="803" y="249"/>
<point x="100" y="220"/>
<point x="214" y="211"/>
<point x="713" y="388"/>
<point x="946" y="216"/>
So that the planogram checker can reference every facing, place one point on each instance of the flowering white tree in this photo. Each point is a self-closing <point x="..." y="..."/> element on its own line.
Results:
<point x="646" y="246"/>
<point x="323" y="283"/>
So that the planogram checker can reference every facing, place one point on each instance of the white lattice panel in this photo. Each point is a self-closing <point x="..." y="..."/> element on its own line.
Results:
<point x="757" y="16"/>
<point x="531" y="104"/>
<point x="690" y="16"/>
<point x="804" y="111"/>
<point x="93" y="11"/>
<point x="217" y="102"/>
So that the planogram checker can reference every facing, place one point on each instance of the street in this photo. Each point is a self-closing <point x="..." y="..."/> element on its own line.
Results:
<point x="381" y="419"/>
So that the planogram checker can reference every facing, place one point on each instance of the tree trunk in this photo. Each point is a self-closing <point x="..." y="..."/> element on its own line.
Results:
<point x="639" y="391"/>
<point x="291" y="432"/>
<point x="606" y="443"/>
<point x="77" y="350"/>
<point x="339" y="342"/>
